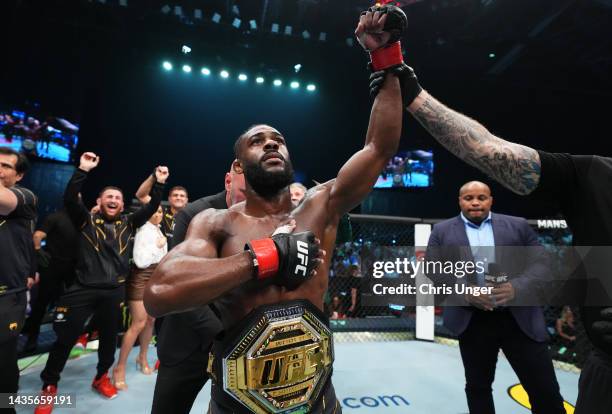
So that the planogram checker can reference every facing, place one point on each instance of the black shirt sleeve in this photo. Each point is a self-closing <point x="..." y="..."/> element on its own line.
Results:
<point x="558" y="173"/>
<point x="26" y="203"/>
<point x="75" y="208"/>
<point x="144" y="213"/>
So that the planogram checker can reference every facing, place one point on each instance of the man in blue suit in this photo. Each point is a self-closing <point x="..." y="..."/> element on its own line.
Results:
<point x="488" y="323"/>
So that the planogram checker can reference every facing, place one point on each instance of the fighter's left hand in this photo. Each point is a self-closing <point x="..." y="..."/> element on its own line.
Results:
<point x="604" y="325"/>
<point x="161" y="174"/>
<point x="503" y="293"/>
<point x="369" y="31"/>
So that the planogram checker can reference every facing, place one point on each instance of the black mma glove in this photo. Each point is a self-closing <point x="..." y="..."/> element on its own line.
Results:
<point x="409" y="83"/>
<point x="604" y="325"/>
<point x="287" y="257"/>
<point x="396" y="22"/>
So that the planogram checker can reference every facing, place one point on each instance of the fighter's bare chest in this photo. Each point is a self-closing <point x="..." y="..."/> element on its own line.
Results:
<point x="243" y="229"/>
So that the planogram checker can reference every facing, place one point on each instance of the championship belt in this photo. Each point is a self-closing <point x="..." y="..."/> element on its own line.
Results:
<point x="278" y="360"/>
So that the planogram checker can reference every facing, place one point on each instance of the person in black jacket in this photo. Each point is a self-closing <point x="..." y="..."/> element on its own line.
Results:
<point x="101" y="269"/>
<point x="17" y="217"/>
<point x="185" y="338"/>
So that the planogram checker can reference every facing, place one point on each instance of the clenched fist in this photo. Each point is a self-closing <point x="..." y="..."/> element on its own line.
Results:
<point x="88" y="161"/>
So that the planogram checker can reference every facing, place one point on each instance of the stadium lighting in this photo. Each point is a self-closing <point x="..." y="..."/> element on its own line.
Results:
<point x="253" y="24"/>
<point x="311" y="87"/>
<point x="288" y="30"/>
<point x="274" y="27"/>
<point x="205" y="71"/>
<point x="216" y="18"/>
<point x="259" y="79"/>
<point x="236" y="23"/>
<point x="297" y="67"/>
<point x="277" y="82"/>
<point x="167" y="65"/>
<point x="224" y="74"/>
<point x="294" y="85"/>
<point x="186" y="68"/>
<point x="242" y="77"/>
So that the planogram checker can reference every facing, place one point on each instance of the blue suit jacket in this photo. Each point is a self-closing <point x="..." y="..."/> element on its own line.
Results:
<point x="527" y="270"/>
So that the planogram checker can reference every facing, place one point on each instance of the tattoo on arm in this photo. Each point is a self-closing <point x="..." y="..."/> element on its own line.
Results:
<point x="515" y="166"/>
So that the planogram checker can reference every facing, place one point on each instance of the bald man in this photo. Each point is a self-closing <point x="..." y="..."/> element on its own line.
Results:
<point x="490" y="322"/>
<point x="184" y="339"/>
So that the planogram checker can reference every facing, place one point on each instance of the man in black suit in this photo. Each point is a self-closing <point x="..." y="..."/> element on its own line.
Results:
<point x="185" y="338"/>
<point x="490" y="322"/>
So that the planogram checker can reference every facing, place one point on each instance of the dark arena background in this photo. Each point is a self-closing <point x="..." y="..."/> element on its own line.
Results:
<point x="175" y="82"/>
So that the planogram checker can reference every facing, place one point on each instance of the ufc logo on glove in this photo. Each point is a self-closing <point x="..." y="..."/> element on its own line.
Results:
<point x="302" y="248"/>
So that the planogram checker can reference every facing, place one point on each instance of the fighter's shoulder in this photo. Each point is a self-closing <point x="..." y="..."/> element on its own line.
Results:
<point x="320" y="188"/>
<point x="209" y="220"/>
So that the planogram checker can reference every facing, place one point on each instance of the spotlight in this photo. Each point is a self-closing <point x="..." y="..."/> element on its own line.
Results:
<point x="253" y="24"/>
<point x="205" y="71"/>
<point x="167" y="65"/>
<point x="311" y="87"/>
<point x="288" y="30"/>
<point x="274" y="27"/>
<point x="306" y="34"/>
<point x="236" y="23"/>
<point x="216" y="18"/>
<point x="224" y="74"/>
<point x="322" y="37"/>
<point x="242" y="77"/>
<point x="297" y="67"/>
<point x="491" y="55"/>
<point x="186" y="68"/>
<point x="294" y="85"/>
<point x="259" y="79"/>
<point x="185" y="49"/>
<point x="277" y="82"/>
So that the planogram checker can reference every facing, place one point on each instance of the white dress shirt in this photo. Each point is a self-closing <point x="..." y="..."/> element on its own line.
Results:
<point x="146" y="251"/>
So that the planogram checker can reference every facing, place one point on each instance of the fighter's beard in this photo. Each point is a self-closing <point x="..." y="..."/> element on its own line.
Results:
<point x="268" y="184"/>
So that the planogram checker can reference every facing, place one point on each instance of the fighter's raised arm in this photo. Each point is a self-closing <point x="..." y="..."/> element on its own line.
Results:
<point x="358" y="175"/>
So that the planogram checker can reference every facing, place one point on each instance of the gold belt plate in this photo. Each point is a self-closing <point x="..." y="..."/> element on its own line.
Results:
<point x="282" y="363"/>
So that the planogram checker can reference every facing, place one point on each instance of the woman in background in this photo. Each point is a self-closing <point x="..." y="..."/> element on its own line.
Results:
<point x="150" y="246"/>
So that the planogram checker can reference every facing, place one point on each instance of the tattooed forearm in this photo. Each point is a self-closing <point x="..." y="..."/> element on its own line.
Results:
<point x="515" y="166"/>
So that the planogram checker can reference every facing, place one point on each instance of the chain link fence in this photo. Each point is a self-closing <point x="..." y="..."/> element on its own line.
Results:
<point x="373" y="238"/>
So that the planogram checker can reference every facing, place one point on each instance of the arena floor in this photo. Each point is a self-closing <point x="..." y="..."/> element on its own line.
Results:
<point x="400" y="377"/>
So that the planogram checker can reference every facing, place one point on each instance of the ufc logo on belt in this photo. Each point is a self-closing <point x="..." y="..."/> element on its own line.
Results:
<point x="302" y="248"/>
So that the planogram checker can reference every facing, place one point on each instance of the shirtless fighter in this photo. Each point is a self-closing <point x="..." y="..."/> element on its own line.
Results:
<point x="276" y="352"/>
